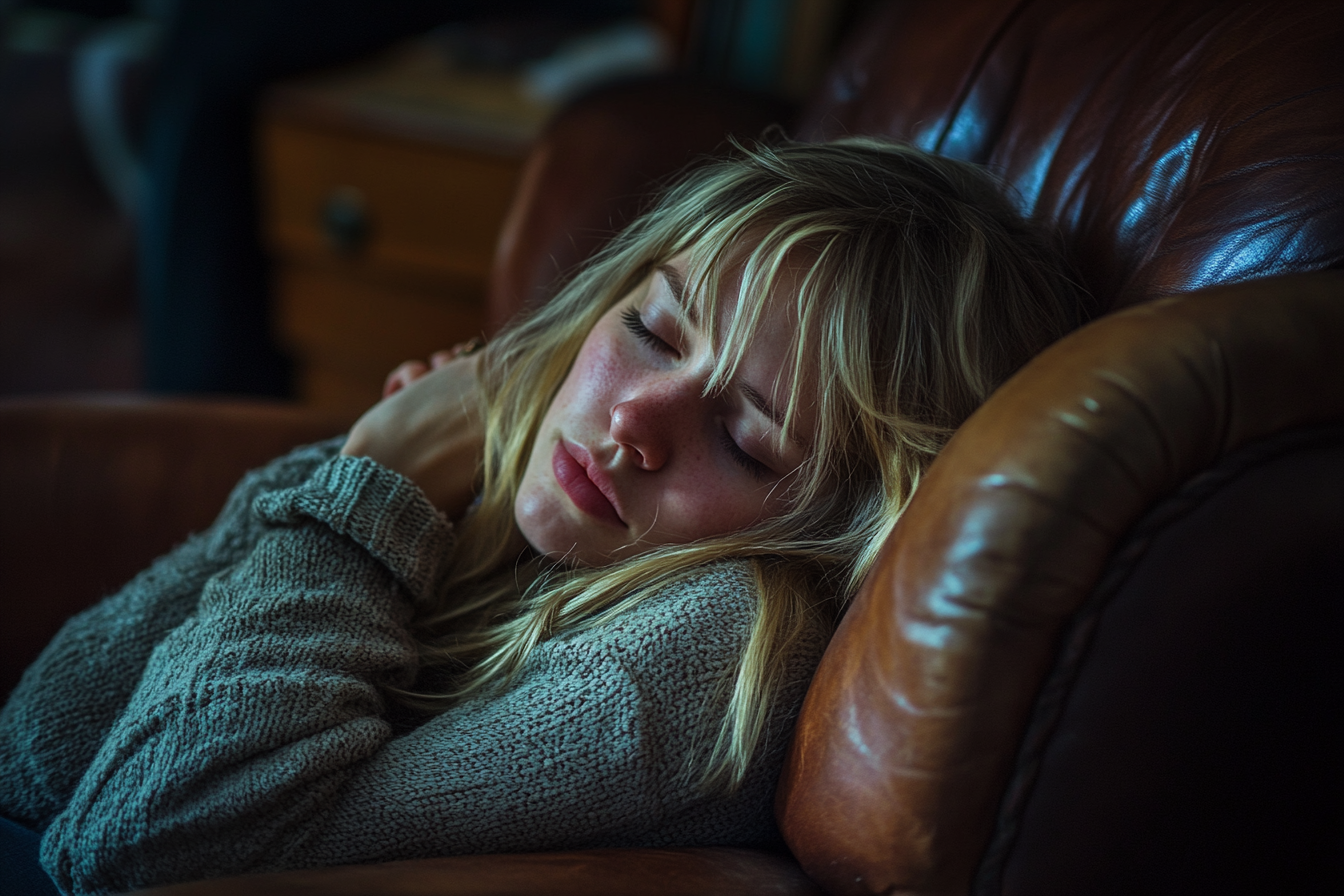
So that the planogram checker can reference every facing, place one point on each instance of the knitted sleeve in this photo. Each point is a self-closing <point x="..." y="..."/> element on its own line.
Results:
<point x="59" y="714"/>
<point x="589" y="748"/>
<point x="256" y="739"/>
<point x="251" y="713"/>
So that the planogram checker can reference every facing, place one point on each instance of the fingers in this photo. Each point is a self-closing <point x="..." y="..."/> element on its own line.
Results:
<point x="405" y="374"/>
<point x="470" y="347"/>
<point x="410" y="371"/>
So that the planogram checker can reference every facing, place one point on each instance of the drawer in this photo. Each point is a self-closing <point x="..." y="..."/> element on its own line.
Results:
<point x="387" y="208"/>
<point x="347" y="332"/>
<point x="384" y="188"/>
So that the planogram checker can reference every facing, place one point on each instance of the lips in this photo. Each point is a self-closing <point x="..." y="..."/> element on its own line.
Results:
<point x="571" y="465"/>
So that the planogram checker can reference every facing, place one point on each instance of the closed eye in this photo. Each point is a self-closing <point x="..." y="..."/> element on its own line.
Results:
<point x="744" y="460"/>
<point x="635" y="324"/>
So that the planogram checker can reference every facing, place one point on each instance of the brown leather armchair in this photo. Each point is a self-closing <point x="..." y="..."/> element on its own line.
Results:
<point x="1101" y="653"/>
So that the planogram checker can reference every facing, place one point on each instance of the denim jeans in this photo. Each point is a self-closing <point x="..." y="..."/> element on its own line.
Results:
<point x="204" y="280"/>
<point x="20" y="872"/>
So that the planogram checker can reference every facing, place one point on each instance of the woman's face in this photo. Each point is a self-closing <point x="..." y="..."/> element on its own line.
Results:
<point x="632" y="453"/>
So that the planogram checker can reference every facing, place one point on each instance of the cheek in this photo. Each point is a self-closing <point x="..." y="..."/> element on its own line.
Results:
<point x="596" y="375"/>
<point x="716" y="503"/>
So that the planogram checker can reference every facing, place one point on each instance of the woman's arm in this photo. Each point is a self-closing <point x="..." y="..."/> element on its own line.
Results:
<point x="57" y="717"/>
<point x="256" y="740"/>
<point x="54" y="722"/>
<point x="264" y="697"/>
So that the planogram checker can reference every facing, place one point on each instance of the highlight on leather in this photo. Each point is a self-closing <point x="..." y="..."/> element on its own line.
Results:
<point x="1177" y="145"/>
<point x="911" y="725"/>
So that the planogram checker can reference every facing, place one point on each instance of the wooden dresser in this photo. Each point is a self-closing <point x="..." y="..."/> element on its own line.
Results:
<point x="385" y="186"/>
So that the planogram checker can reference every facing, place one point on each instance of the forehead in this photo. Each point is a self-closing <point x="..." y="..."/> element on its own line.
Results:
<point x="722" y="285"/>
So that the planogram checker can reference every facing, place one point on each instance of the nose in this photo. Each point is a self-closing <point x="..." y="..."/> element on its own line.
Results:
<point x="647" y="423"/>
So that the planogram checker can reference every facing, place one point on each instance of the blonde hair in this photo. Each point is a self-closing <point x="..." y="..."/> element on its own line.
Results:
<point x="919" y="290"/>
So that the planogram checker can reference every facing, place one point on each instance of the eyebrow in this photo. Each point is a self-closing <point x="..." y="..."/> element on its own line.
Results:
<point x="677" y="284"/>
<point x="764" y="406"/>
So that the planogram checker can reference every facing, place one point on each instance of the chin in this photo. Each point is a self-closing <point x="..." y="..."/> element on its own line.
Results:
<point x="536" y="522"/>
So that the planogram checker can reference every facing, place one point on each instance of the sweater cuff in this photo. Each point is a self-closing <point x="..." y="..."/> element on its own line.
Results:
<point x="380" y="510"/>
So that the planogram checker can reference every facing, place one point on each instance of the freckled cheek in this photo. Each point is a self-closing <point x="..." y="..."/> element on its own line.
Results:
<point x="707" y="503"/>
<point x="598" y="373"/>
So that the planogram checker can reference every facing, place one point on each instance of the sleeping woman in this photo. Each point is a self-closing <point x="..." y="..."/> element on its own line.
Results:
<point x="566" y="592"/>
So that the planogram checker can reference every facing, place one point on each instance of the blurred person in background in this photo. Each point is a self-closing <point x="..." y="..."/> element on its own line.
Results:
<point x="204" y="280"/>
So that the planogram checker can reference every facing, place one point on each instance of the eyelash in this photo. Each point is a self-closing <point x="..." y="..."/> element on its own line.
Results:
<point x="635" y="324"/>
<point x="744" y="460"/>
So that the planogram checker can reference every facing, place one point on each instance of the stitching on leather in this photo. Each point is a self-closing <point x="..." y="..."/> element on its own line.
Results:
<point x="1077" y="638"/>
<point x="1269" y="107"/>
<point x="1270" y="165"/>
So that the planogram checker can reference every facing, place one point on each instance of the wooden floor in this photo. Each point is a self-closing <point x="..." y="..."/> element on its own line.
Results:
<point x="67" y="261"/>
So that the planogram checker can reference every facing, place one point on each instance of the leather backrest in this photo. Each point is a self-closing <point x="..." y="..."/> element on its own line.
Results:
<point x="1177" y="145"/>
<point x="909" y="731"/>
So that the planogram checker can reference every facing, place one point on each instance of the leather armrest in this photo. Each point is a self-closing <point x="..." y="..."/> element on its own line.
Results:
<point x="594" y="168"/>
<point x="707" y="871"/>
<point x="909" y="731"/>
<point x="93" y="489"/>
<point x="1181" y="743"/>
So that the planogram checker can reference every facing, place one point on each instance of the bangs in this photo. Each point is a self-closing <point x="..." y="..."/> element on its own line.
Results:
<point x="739" y="269"/>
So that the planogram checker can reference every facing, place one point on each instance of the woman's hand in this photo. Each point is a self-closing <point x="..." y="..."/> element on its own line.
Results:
<point x="428" y="427"/>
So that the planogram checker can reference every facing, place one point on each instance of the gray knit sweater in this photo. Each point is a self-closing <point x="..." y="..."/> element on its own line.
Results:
<point x="222" y="714"/>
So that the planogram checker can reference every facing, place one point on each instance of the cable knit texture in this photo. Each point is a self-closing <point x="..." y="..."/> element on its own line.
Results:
<point x="223" y="713"/>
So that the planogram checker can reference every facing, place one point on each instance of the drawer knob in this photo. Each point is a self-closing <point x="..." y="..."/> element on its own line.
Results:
<point x="345" y="220"/>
